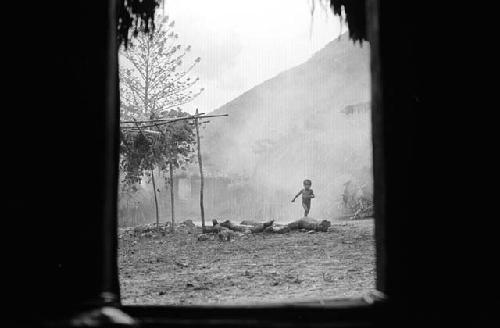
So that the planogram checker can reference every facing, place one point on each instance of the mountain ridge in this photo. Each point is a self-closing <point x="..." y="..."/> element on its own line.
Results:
<point x="292" y="126"/>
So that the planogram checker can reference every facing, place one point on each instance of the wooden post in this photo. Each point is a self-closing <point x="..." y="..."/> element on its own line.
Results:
<point x="171" y="171"/>
<point x="156" y="200"/>
<point x="171" y="175"/>
<point x="200" y="163"/>
<point x="156" y="123"/>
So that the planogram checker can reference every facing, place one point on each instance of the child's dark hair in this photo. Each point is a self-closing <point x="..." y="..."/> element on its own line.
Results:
<point x="307" y="181"/>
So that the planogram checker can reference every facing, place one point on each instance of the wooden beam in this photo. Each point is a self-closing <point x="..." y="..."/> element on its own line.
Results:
<point x="200" y="164"/>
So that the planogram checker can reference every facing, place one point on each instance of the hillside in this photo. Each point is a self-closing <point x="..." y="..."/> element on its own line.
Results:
<point x="293" y="126"/>
<point x="311" y="121"/>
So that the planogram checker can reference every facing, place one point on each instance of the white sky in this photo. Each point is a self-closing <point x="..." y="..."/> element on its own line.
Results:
<point x="243" y="43"/>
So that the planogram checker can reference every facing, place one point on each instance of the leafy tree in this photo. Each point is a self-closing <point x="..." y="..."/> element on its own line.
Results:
<point x="139" y="155"/>
<point x="154" y="78"/>
<point x="154" y="83"/>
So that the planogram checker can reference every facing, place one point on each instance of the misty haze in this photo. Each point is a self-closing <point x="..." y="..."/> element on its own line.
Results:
<point x="214" y="206"/>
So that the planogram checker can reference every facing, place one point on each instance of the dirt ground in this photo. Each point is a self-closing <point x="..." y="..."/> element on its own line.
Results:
<point x="260" y="268"/>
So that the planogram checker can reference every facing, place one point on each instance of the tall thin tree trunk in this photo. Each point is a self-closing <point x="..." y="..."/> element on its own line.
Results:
<point x="156" y="201"/>
<point x="171" y="169"/>
<point x="200" y="163"/>
<point x="146" y="81"/>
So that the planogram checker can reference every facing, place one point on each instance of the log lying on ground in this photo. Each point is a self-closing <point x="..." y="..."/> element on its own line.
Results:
<point x="262" y="226"/>
<point x="247" y="228"/>
<point x="249" y="223"/>
<point x="310" y="224"/>
<point x="223" y="233"/>
<point x="254" y="227"/>
<point x="215" y="228"/>
<point x="269" y="226"/>
<point x="278" y="228"/>
<point x="236" y="227"/>
<point x="304" y="223"/>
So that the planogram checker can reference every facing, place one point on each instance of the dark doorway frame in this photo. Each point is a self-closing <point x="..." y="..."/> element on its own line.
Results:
<point x="70" y="259"/>
<point x="61" y="147"/>
<point x="355" y="312"/>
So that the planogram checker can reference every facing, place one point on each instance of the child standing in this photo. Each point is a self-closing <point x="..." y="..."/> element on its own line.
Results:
<point x="307" y="193"/>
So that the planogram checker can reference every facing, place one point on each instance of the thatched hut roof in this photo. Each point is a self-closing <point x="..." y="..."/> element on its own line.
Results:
<point x="355" y="16"/>
<point x="137" y="16"/>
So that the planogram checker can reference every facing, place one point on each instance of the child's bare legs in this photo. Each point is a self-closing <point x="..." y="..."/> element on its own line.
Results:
<point x="306" y="207"/>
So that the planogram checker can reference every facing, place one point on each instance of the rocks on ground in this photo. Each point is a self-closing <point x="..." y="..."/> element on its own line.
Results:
<point x="226" y="230"/>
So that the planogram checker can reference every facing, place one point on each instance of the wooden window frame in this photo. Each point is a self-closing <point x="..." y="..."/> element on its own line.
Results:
<point x="351" y="312"/>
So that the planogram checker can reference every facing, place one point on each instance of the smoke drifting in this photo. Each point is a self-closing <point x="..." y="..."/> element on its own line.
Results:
<point x="312" y="121"/>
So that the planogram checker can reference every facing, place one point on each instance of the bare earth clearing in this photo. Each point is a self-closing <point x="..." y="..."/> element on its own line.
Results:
<point x="256" y="268"/>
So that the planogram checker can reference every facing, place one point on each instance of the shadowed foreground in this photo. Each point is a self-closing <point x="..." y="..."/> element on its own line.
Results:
<point x="256" y="268"/>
